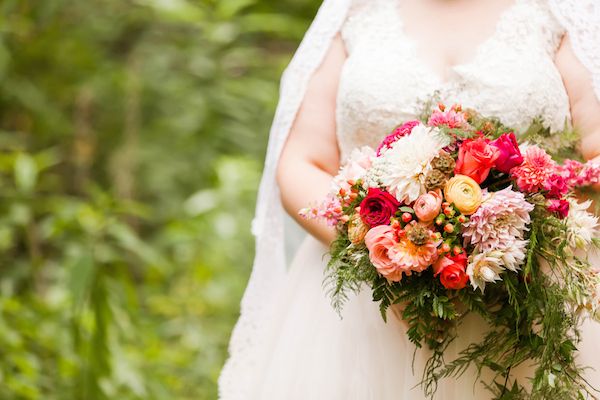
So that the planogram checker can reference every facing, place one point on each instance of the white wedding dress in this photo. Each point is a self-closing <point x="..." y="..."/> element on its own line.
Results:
<point x="307" y="352"/>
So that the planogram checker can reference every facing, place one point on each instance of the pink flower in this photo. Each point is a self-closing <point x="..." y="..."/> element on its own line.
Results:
<point x="578" y="174"/>
<point x="559" y="206"/>
<point x="476" y="157"/>
<point x="399" y="132"/>
<point x="556" y="186"/>
<point x="428" y="206"/>
<point x="378" y="207"/>
<point x="408" y="257"/>
<point x="502" y="218"/>
<point x="510" y="155"/>
<point x="453" y="271"/>
<point x="354" y="169"/>
<point x="379" y="241"/>
<point x="450" y="118"/>
<point x="330" y="210"/>
<point x="537" y="167"/>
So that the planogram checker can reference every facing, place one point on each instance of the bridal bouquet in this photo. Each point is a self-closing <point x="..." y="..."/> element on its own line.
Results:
<point x="452" y="215"/>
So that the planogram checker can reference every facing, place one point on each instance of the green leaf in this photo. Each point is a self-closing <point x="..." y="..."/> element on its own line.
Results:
<point x="25" y="172"/>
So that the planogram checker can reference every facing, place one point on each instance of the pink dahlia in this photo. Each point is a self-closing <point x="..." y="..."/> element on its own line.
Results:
<point x="499" y="222"/>
<point x="537" y="167"/>
<point x="401" y="131"/>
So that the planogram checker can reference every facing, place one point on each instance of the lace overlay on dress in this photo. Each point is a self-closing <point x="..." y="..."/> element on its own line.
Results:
<point x="511" y="76"/>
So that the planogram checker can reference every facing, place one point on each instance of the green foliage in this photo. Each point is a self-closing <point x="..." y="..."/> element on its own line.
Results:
<point x="131" y="141"/>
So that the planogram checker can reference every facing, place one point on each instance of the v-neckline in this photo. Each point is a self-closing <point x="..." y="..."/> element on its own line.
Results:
<point x="448" y="76"/>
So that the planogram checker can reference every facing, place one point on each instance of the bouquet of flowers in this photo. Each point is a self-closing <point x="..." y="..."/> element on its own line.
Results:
<point x="451" y="215"/>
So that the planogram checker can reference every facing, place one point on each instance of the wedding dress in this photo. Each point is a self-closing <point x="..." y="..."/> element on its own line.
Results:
<point x="301" y="348"/>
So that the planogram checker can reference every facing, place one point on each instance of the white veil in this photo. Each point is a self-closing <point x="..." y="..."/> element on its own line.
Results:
<point x="581" y="18"/>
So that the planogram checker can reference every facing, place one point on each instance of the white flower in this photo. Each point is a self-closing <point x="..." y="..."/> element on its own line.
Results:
<point x="404" y="166"/>
<point x="483" y="268"/>
<point x="581" y="225"/>
<point x="514" y="256"/>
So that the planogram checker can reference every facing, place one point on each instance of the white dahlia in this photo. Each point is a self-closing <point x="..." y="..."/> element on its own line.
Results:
<point x="404" y="166"/>
<point x="513" y="257"/>
<point x="581" y="225"/>
<point x="484" y="268"/>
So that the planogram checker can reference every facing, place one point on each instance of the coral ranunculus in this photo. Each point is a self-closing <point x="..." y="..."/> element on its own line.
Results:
<point x="510" y="155"/>
<point x="452" y="271"/>
<point x="379" y="240"/>
<point x="465" y="193"/>
<point x="378" y="207"/>
<point x="476" y="157"/>
<point x="428" y="206"/>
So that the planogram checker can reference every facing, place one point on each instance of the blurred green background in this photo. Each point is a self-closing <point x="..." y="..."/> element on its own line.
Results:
<point x="132" y="134"/>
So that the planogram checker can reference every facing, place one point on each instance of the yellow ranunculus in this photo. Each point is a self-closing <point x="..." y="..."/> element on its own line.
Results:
<point x="464" y="192"/>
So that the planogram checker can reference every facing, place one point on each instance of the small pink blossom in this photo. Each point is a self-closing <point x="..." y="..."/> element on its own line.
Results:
<point x="450" y="118"/>
<point x="559" y="206"/>
<point x="578" y="174"/>
<point x="537" y="167"/>
<point x="556" y="186"/>
<point x="355" y="168"/>
<point x="329" y="210"/>
<point x="399" y="132"/>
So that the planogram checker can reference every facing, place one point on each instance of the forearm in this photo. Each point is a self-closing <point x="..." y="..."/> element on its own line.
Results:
<point x="303" y="184"/>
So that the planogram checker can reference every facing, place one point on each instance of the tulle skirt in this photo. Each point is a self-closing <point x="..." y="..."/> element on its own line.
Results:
<point x="313" y="354"/>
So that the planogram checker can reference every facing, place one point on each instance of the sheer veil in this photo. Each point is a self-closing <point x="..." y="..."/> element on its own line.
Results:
<point x="580" y="18"/>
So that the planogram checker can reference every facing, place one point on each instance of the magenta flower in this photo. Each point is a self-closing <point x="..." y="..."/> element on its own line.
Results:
<point x="510" y="155"/>
<point x="559" y="206"/>
<point x="401" y="131"/>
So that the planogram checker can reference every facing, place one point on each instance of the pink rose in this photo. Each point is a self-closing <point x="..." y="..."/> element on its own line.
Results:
<point x="556" y="186"/>
<point x="378" y="207"/>
<point x="428" y="206"/>
<point x="452" y="271"/>
<point x="476" y="157"/>
<point x="379" y="240"/>
<point x="399" y="132"/>
<point x="561" y="207"/>
<point x="510" y="155"/>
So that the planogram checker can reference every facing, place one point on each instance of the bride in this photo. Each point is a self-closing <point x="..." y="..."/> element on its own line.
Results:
<point x="364" y="66"/>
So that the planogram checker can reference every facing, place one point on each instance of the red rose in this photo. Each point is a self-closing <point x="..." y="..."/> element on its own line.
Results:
<point x="378" y="207"/>
<point x="561" y="207"/>
<point x="475" y="159"/>
<point x="452" y="271"/>
<point x="510" y="155"/>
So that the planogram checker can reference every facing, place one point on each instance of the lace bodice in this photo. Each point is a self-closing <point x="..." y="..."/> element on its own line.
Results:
<point x="512" y="75"/>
